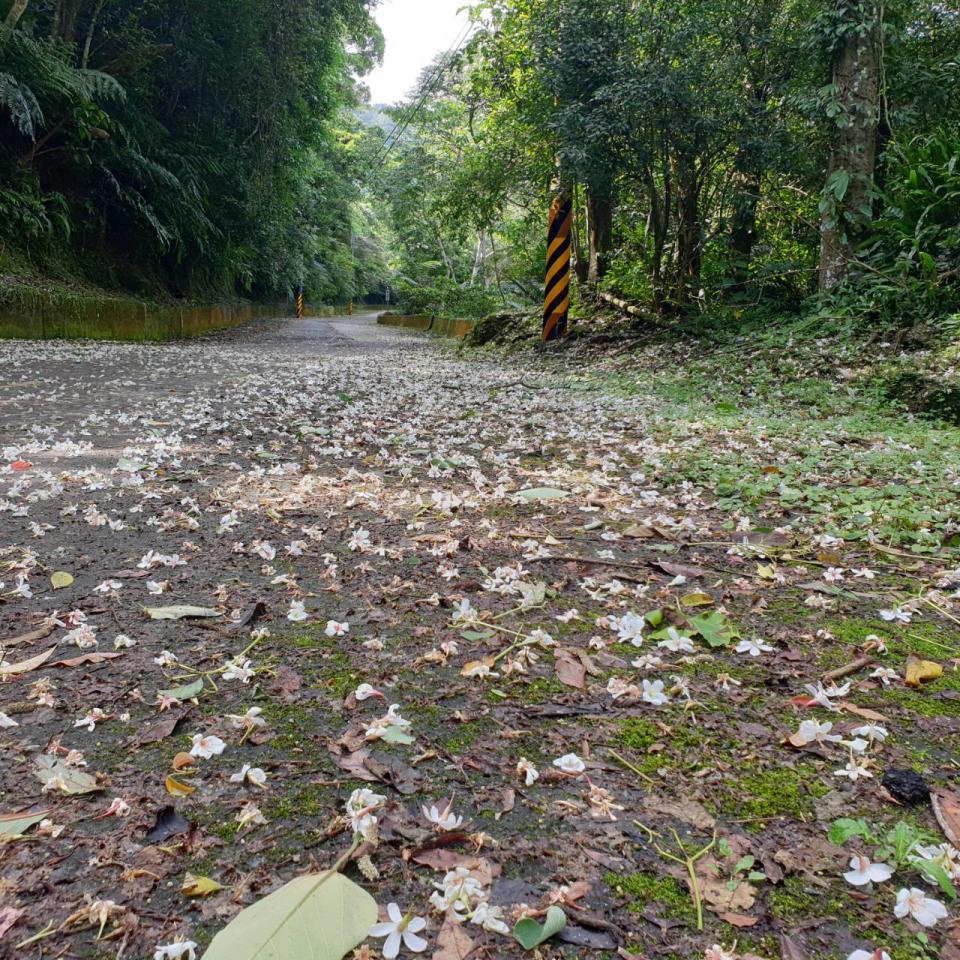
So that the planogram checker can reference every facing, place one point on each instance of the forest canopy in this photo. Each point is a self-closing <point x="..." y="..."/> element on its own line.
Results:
<point x="193" y="147"/>
<point x="717" y="154"/>
<point x="719" y="157"/>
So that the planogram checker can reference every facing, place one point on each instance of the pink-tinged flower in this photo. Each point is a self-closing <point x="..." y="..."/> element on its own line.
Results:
<point x="206" y="747"/>
<point x="118" y="808"/>
<point x="365" y="692"/>
<point x="400" y="928"/>
<point x="867" y="955"/>
<point x="444" y="820"/>
<point x="862" y="872"/>
<point x="915" y="903"/>
<point x="91" y="719"/>
<point x="335" y="629"/>
<point x="716" y="952"/>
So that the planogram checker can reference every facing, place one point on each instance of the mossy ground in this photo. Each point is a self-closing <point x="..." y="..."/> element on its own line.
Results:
<point x="743" y="473"/>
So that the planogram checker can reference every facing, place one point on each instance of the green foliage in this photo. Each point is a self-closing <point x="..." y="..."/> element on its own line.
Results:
<point x="188" y="147"/>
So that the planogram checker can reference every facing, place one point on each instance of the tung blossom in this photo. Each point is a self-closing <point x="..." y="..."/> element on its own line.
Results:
<point x="360" y="807"/>
<point x="252" y="775"/>
<point x="298" y="611"/>
<point x="570" y="763"/>
<point x="862" y="872"/>
<point x="444" y="820"/>
<point x="915" y="903"/>
<point x="178" y="950"/>
<point x="400" y="928"/>
<point x="653" y="692"/>
<point x="206" y="746"/>
<point x="528" y="771"/>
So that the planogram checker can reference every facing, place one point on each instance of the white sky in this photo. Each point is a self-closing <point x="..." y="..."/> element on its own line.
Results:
<point x="415" y="32"/>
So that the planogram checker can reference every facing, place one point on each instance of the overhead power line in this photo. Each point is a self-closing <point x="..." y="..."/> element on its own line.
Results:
<point x="430" y="86"/>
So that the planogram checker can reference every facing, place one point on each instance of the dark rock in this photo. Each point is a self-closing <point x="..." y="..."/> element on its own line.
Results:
<point x="169" y="824"/>
<point x="907" y="786"/>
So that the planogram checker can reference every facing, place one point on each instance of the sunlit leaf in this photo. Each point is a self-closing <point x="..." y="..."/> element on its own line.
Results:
<point x="315" y="917"/>
<point x="177" y="789"/>
<point x="61" y="579"/>
<point x="199" y="886"/>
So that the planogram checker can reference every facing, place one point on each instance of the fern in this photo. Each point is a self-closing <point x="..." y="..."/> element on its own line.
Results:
<point x="19" y="101"/>
<point x="36" y="75"/>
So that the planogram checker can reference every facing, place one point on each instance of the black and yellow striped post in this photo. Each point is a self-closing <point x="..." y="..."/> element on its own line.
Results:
<point x="556" y="298"/>
<point x="300" y="303"/>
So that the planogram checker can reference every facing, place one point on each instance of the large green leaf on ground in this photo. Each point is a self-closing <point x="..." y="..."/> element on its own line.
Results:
<point x="17" y="824"/>
<point x="187" y="692"/>
<point x="529" y="934"/>
<point x="180" y="612"/>
<point x="542" y="493"/>
<point x="68" y="780"/>
<point x="715" y="629"/>
<point x="315" y="917"/>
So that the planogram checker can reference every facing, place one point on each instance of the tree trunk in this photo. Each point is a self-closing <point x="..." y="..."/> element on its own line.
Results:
<point x="581" y="265"/>
<point x="15" y="12"/>
<point x="91" y="29"/>
<point x="743" y="227"/>
<point x="689" y="236"/>
<point x="847" y="205"/>
<point x="65" y="20"/>
<point x="599" y="233"/>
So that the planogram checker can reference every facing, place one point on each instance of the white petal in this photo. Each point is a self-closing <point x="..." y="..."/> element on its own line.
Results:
<point x="416" y="924"/>
<point x="381" y="929"/>
<point x="394" y="912"/>
<point x="392" y="946"/>
<point x="413" y="942"/>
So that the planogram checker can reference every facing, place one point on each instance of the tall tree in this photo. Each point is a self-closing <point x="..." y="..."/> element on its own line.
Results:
<point x="854" y="32"/>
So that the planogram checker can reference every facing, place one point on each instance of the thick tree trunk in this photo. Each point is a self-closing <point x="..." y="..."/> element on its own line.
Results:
<point x="743" y="225"/>
<point x="65" y="20"/>
<point x="847" y="204"/>
<point x="599" y="233"/>
<point x="16" y="11"/>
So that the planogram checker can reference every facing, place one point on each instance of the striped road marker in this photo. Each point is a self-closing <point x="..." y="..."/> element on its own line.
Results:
<point x="300" y="303"/>
<point x="556" y="299"/>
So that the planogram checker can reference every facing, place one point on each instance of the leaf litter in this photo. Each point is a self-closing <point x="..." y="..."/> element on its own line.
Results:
<point x="493" y="620"/>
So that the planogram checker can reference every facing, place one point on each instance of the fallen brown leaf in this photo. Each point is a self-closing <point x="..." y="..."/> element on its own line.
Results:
<point x="453" y="943"/>
<point x="570" y="669"/>
<point x="85" y="658"/>
<point x="738" y="919"/>
<point x="946" y="807"/>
